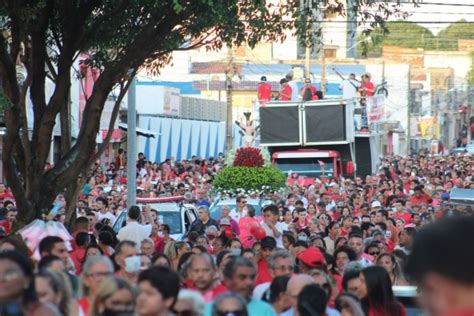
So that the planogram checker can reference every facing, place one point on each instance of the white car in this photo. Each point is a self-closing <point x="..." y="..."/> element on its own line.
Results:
<point x="171" y="211"/>
<point x="231" y="203"/>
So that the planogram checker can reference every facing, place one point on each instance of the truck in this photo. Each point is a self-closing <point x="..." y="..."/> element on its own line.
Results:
<point x="318" y="138"/>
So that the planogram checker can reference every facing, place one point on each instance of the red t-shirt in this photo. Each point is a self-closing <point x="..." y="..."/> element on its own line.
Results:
<point x="6" y="225"/>
<point x="263" y="275"/>
<point x="264" y="91"/>
<point x="418" y="201"/>
<point x="314" y="96"/>
<point x="286" y="94"/>
<point x="405" y="215"/>
<point x="370" y="86"/>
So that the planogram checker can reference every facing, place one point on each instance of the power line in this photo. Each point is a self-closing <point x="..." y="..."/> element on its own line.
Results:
<point x="447" y="4"/>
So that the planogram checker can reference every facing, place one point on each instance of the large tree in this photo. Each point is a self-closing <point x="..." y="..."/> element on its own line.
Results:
<point x="120" y="37"/>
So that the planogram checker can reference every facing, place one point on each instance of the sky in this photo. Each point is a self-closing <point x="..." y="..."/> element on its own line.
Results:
<point x="439" y="11"/>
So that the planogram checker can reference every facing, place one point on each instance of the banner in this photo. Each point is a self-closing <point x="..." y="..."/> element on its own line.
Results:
<point x="429" y="127"/>
<point x="376" y="108"/>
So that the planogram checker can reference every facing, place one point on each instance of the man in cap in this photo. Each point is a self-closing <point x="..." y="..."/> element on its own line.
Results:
<point x="311" y="258"/>
<point x="264" y="91"/>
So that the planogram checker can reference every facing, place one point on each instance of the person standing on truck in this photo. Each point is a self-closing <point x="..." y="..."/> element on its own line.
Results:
<point x="349" y="87"/>
<point x="286" y="91"/>
<point x="293" y="85"/>
<point x="309" y="92"/>
<point x="264" y="91"/>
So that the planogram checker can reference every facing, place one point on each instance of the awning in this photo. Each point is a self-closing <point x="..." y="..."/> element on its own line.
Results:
<point x="139" y="131"/>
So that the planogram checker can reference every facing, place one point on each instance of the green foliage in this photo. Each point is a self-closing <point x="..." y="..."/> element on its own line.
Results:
<point x="402" y="34"/>
<point x="448" y="38"/>
<point x="249" y="179"/>
<point x="411" y="35"/>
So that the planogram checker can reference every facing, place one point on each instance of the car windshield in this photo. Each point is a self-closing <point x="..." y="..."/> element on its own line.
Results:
<point x="173" y="219"/>
<point x="216" y="209"/>
<point x="308" y="167"/>
<point x="170" y="214"/>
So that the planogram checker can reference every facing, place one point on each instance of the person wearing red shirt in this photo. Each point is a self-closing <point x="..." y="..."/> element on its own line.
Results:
<point x="4" y="193"/>
<point x="268" y="246"/>
<point x="286" y="91"/>
<point x="264" y="91"/>
<point x="400" y="212"/>
<point x="163" y="238"/>
<point x="420" y="196"/>
<point x="82" y="240"/>
<point x="367" y="88"/>
<point x="311" y="94"/>
<point x="7" y="223"/>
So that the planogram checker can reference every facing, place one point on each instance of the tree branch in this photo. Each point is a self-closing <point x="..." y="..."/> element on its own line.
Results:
<point x="115" y="112"/>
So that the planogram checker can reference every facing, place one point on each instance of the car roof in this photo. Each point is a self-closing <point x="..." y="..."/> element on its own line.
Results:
<point x="405" y="291"/>
<point x="233" y="201"/>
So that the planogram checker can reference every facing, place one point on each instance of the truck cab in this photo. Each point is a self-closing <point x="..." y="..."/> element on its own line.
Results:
<point x="303" y="137"/>
<point x="309" y="163"/>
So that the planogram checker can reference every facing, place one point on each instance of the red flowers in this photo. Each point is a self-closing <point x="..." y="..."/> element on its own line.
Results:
<point x="248" y="157"/>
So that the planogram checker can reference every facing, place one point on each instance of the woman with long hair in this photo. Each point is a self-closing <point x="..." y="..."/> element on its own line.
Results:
<point x="54" y="287"/>
<point x="376" y="293"/>
<point x="115" y="296"/>
<point x="389" y="262"/>
<point x="17" y="287"/>
<point x="174" y="250"/>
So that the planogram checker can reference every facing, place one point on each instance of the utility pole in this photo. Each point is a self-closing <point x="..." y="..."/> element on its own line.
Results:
<point x="323" y="74"/>
<point x="307" y="68"/>
<point x="409" y="113"/>
<point x="131" y="145"/>
<point x="228" y="88"/>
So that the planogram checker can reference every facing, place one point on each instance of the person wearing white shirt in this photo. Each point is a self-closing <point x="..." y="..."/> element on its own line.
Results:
<point x="271" y="225"/>
<point x="349" y="87"/>
<point x="134" y="231"/>
<point x="294" y="87"/>
<point x="102" y="204"/>
<point x="238" y="212"/>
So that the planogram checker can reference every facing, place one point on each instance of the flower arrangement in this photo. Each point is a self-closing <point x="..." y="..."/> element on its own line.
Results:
<point x="248" y="157"/>
<point x="248" y="173"/>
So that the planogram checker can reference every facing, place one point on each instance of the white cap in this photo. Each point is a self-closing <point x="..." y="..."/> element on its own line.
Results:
<point x="376" y="204"/>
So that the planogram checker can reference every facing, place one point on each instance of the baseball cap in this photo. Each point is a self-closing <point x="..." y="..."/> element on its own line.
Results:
<point x="312" y="257"/>
<point x="376" y="204"/>
<point x="263" y="78"/>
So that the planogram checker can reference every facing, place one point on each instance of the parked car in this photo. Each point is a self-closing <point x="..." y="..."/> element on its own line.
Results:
<point x="231" y="203"/>
<point x="172" y="211"/>
<point x="468" y="149"/>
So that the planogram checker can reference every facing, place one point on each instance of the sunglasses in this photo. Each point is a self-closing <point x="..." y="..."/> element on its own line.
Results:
<point x="374" y="253"/>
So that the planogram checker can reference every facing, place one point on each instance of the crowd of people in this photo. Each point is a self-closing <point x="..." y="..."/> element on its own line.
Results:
<point x="350" y="87"/>
<point x="335" y="247"/>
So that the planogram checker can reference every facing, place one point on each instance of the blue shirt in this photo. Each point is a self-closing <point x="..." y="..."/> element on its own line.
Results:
<point x="254" y="308"/>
